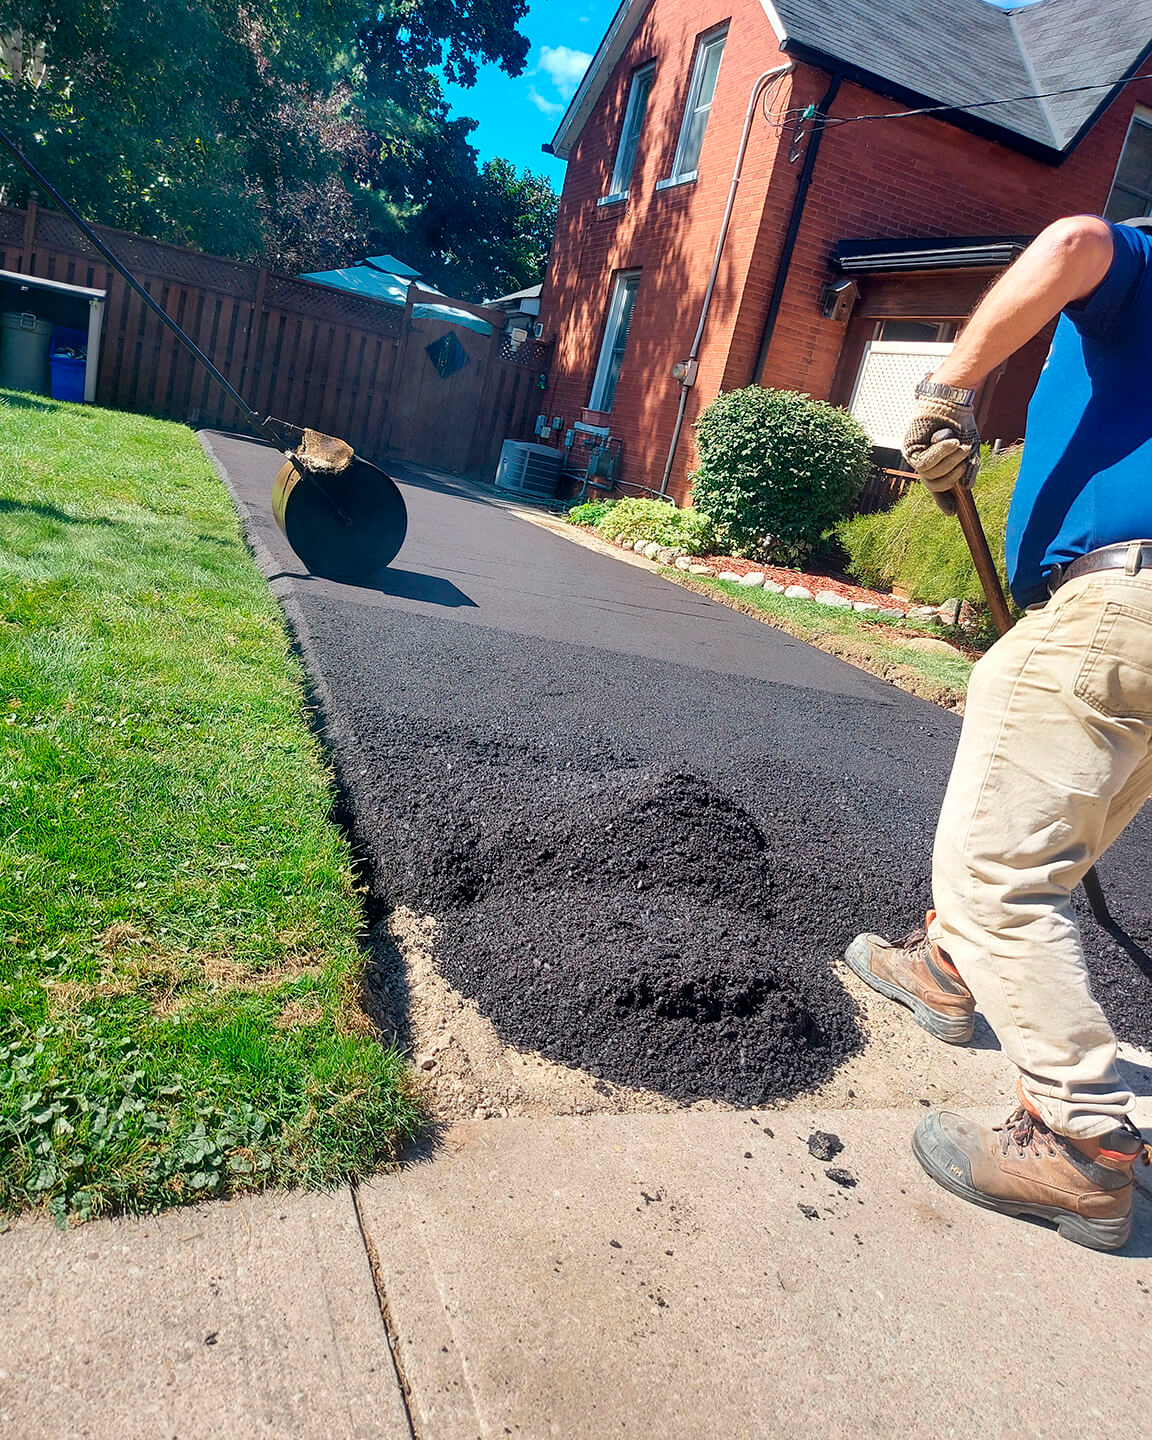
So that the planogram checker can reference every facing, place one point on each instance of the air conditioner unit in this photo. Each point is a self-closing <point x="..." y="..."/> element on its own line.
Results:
<point x="529" y="469"/>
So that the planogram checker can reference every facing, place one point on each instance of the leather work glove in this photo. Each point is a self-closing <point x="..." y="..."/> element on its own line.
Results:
<point x="942" y="445"/>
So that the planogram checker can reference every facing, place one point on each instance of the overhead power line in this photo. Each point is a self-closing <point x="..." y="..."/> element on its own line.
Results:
<point x="970" y="104"/>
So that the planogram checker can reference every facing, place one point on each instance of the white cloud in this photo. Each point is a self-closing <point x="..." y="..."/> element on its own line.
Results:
<point x="565" y="66"/>
<point x="549" y="107"/>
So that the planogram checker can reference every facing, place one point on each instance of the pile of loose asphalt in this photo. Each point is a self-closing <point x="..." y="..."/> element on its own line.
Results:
<point x="646" y="870"/>
<point x="647" y="825"/>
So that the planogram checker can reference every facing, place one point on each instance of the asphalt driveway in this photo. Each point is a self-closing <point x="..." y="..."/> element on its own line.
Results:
<point x="625" y="801"/>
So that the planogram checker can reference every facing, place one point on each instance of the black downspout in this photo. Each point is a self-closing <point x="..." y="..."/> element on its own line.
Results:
<point x="794" y="220"/>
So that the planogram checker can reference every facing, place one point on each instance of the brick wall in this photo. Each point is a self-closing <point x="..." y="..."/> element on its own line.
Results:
<point x="922" y="177"/>
<point x="915" y="177"/>
<point x="669" y="235"/>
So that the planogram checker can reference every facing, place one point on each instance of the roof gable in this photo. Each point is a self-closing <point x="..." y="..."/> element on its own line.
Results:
<point x="962" y="54"/>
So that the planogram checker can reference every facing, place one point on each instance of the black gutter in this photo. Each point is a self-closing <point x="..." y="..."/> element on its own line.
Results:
<point x="789" y="246"/>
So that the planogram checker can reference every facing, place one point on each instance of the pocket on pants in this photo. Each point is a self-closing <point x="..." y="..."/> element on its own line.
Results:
<point x="1116" y="675"/>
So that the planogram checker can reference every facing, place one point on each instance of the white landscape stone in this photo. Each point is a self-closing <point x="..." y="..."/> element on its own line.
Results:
<point x="892" y="612"/>
<point x="830" y="597"/>
<point x="865" y="607"/>
<point x="753" y="578"/>
<point x="775" y="587"/>
<point x="701" y="570"/>
<point x="652" y="549"/>
<point x="797" y="592"/>
<point x="683" y="562"/>
<point x="639" y="545"/>
<point x="729" y="575"/>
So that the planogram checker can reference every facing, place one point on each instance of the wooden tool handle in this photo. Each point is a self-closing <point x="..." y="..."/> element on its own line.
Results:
<point x="982" y="558"/>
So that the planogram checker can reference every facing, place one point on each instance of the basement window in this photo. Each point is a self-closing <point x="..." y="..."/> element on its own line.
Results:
<point x="699" y="107"/>
<point x="630" y="132"/>
<point x="615" y="339"/>
<point x="1132" y="188"/>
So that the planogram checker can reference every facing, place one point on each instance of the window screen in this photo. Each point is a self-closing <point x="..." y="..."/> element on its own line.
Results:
<point x="884" y="397"/>
<point x="615" y="340"/>
<point x="1132" y="189"/>
<point x="633" y="124"/>
<point x="700" y="95"/>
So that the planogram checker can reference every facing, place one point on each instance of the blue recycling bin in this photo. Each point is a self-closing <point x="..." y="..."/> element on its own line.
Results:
<point x="68" y="362"/>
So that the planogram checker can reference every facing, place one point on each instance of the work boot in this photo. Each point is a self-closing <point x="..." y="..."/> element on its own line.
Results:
<point x="1023" y="1168"/>
<point x="918" y="974"/>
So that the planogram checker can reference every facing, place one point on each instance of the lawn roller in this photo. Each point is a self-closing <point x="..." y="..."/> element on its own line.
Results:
<point x="342" y="515"/>
<point x="969" y="519"/>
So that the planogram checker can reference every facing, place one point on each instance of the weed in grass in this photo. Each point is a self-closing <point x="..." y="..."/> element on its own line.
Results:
<point x="179" y="969"/>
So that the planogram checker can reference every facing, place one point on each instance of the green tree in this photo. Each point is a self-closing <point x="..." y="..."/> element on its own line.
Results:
<point x="296" y="135"/>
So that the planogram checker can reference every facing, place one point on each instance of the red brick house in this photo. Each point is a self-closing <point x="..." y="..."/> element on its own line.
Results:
<point x="851" y="249"/>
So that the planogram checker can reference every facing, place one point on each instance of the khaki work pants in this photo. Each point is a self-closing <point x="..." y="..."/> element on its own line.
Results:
<point x="1054" y="760"/>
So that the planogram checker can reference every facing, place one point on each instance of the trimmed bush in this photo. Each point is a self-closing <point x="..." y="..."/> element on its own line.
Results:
<point x="921" y="550"/>
<point x="660" y="521"/>
<point x="590" y="513"/>
<point x="777" y="469"/>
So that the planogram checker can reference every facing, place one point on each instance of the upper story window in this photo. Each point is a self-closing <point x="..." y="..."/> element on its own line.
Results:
<point x="630" y="132"/>
<point x="615" y="339"/>
<point x="699" y="105"/>
<point x="1132" y="188"/>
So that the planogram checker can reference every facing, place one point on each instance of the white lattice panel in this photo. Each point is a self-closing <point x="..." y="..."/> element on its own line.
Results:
<point x="884" y="397"/>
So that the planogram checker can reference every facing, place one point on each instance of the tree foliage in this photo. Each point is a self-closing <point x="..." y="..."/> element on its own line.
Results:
<point x="302" y="136"/>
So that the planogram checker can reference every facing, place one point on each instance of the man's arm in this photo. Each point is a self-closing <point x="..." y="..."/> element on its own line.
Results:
<point x="1065" y="263"/>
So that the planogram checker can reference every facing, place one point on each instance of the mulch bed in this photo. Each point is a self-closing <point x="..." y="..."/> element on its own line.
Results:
<point x="811" y="580"/>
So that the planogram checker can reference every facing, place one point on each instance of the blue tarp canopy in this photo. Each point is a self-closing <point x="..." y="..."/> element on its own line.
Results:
<point x="454" y="316"/>
<point x="383" y="277"/>
<point x="364" y="280"/>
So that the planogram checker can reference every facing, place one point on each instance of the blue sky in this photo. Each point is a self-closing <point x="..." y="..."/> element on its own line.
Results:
<point x="517" y="116"/>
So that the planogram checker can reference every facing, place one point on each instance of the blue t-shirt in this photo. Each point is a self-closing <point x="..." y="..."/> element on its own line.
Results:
<point x="1086" y="473"/>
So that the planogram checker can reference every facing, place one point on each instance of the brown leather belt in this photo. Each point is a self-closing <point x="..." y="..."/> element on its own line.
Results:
<point x="1131" y="556"/>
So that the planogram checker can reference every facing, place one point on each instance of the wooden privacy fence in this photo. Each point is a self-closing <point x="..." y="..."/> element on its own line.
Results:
<point x="393" y="384"/>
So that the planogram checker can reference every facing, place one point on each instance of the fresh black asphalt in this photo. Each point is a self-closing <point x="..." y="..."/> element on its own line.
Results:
<point x="647" y="823"/>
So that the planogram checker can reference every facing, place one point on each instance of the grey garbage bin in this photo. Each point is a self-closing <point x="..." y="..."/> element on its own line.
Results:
<point x="24" y="342"/>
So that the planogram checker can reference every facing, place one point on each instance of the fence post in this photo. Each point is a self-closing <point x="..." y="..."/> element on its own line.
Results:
<point x="29" y="237"/>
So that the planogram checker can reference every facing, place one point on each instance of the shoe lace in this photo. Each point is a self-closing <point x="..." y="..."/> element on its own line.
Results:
<point x="1026" y="1132"/>
<point x="914" y="939"/>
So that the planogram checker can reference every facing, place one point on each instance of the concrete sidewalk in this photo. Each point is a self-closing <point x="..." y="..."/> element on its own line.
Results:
<point x="683" y="1275"/>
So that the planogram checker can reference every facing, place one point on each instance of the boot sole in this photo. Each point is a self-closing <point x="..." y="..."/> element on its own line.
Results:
<point x="953" y="1030"/>
<point x="1093" y="1234"/>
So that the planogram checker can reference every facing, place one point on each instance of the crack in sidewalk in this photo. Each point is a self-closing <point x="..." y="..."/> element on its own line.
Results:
<point x="386" y="1317"/>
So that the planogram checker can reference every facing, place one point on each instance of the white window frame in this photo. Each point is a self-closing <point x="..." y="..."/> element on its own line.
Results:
<point x="692" y="108"/>
<point x="624" y="281"/>
<point x="630" y="131"/>
<point x="1140" y="116"/>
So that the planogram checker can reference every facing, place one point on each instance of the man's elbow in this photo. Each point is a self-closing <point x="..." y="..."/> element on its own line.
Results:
<point x="1080" y="247"/>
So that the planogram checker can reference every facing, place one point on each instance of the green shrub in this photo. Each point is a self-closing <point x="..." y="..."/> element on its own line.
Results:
<point x="777" y="469"/>
<point x="918" y="548"/>
<point x="659" y="520"/>
<point x="590" y="513"/>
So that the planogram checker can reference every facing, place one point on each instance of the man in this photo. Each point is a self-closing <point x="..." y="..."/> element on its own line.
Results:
<point x="1055" y="757"/>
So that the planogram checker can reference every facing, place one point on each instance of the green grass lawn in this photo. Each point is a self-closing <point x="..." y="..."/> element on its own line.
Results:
<point x="179" y="967"/>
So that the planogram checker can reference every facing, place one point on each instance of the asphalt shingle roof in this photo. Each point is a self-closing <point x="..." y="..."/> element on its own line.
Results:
<point x="946" y="52"/>
<point x="969" y="51"/>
